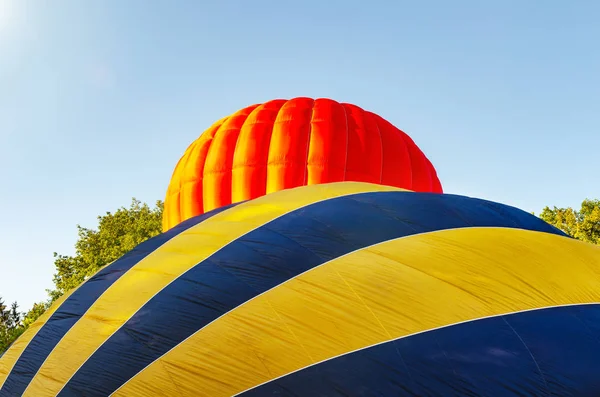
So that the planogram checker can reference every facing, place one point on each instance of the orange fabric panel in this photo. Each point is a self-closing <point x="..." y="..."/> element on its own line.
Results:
<point x="219" y="162"/>
<point x="251" y="156"/>
<point x="327" y="147"/>
<point x="365" y="151"/>
<point x="171" y="211"/>
<point x="289" y="145"/>
<point x="436" y="185"/>
<point x="397" y="167"/>
<point x="191" y="201"/>
<point x="282" y="144"/>
<point x="421" y="176"/>
<point x="184" y="195"/>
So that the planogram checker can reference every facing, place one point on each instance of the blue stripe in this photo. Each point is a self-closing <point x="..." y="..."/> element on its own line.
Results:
<point x="547" y="352"/>
<point x="269" y="256"/>
<point x="78" y="303"/>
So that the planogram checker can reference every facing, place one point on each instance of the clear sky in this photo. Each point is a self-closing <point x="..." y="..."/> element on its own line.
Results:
<point x="98" y="100"/>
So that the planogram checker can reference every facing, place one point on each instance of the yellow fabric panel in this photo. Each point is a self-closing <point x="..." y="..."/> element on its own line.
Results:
<point x="130" y="292"/>
<point x="377" y="294"/>
<point x="9" y="359"/>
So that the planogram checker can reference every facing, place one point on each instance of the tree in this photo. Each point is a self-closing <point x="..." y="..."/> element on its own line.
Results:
<point x="10" y="324"/>
<point x="14" y="316"/>
<point x="583" y="224"/>
<point x="13" y="323"/>
<point x="117" y="234"/>
<point x="36" y="311"/>
<point x="4" y="313"/>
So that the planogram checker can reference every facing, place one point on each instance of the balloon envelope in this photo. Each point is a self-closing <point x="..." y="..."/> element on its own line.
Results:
<point x="344" y="289"/>
<point x="283" y="144"/>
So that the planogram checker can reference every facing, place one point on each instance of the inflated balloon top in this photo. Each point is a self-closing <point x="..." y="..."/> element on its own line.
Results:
<point x="283" y="144"/>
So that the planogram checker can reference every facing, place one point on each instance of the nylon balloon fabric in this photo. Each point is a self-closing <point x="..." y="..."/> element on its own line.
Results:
<point x="341" y="289"/>
<point x="283" y="144"/>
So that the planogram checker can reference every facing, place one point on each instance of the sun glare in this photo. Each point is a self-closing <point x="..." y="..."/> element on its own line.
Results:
<point x="6" y="13"/>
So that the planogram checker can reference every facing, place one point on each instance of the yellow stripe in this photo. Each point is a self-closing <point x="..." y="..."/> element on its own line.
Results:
<point x="9" y="359"/>
<point x="377" y="294"/>
<point x="128" y="294"/>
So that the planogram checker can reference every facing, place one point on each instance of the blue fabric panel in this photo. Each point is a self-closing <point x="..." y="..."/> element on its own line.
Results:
<point x="78" y="303"/>
<point x="547" y="352"/>
<point x="267" y="257"/>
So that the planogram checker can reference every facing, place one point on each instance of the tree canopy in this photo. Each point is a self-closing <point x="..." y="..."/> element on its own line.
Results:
<point x="117" y="234"/>
<point x="582" y="224"/>
<point x="10" y="324"/>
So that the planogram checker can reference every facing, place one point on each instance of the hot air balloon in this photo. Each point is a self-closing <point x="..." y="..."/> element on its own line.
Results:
<point x="339" y="289"/>
<point x="283" y="144"/>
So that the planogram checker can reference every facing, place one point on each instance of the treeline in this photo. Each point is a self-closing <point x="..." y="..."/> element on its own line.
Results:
<point x="119" y="232"/>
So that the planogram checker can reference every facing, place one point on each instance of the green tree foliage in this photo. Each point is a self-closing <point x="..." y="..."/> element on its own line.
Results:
<point x="36" y="311"/>
<point x="13" y="323"/>
<point x="10" y="324"/>
<point x="582" y="224"/>
<point x="117" y="234"/>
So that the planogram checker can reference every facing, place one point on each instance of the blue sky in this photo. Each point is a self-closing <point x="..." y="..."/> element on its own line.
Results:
<point x="98" y="100"/>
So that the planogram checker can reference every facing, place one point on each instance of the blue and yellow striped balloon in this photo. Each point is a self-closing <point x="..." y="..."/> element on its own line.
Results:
<point x="344" y="289"/>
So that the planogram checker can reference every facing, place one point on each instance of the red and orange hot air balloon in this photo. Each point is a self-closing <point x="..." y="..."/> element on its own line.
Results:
<point x="282" y="144"/>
